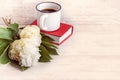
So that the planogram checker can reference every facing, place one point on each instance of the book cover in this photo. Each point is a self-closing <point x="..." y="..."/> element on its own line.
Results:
<point x="60" y="35"/>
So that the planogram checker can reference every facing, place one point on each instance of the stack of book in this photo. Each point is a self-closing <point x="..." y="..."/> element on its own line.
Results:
<point x="60" y="35"/>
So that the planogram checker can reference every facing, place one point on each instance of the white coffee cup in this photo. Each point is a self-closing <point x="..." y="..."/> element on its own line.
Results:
<point x="49" y="14"/>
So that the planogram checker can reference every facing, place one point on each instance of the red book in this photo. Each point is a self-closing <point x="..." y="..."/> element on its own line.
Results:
<point x="60" y="35"/>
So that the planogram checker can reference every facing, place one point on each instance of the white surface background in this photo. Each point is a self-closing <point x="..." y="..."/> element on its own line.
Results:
<point x="93" y="51"/>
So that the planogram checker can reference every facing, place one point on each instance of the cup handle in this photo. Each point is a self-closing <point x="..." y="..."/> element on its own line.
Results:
<point x="42" y="22"/>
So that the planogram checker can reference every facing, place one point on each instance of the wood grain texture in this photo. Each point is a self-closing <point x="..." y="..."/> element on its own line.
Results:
<point x="91" y="53"/>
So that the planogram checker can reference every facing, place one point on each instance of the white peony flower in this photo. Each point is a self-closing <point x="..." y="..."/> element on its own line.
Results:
<point x="30" y="31"/>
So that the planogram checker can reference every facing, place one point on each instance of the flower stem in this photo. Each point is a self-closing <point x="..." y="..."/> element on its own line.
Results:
<point x="6" y="21"/>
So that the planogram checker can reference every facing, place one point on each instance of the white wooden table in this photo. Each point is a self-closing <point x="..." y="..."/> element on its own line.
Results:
<point x="91" y="53"/>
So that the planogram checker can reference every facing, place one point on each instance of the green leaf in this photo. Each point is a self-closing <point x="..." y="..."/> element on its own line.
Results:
<point x="4" y="57"/>
<point x="52" y="51"/>
<point x="13" y="27"/>
<point x="45" y="57"/>
<point x="46" y="43"/>
<point x="24" y="68"/>
<point x="5" y="34"/>
<point x="3" y="45"/>
<point x="45" y="52"/>
<point x="47" y="47"/>
<point x="46" y="38"/>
